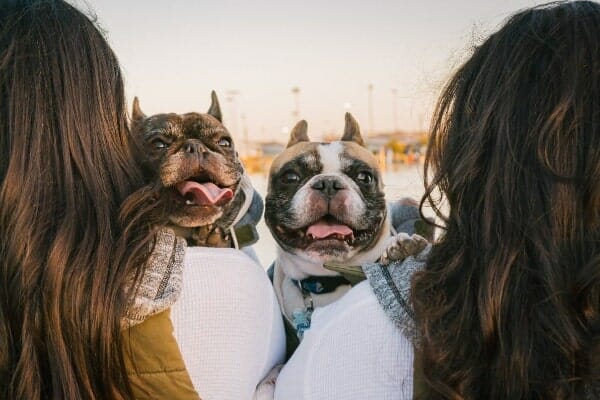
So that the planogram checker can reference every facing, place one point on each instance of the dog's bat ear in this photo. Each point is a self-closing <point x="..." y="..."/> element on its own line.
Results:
<point x="299" y="134"/>
<point x="215" y="108"/>
<point x="137" y="114"/>
<point x="352" y="131"/>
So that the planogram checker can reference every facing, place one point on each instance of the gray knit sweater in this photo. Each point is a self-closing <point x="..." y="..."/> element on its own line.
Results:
<point x="159" y="286"/>
<point x="391" y="285"/>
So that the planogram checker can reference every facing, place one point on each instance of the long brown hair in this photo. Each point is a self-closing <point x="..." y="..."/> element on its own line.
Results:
<point x="509" y="302"/>
<point x="68" y="245"/>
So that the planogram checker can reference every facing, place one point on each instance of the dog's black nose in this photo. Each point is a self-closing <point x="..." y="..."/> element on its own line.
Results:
<point x="329" y="186"/>
<point x="194" y="148"/>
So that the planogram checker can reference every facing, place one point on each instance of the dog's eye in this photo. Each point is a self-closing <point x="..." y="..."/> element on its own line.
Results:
<point x="365" y="177"/>
<point x="290" y="177"/>
<point x="224" y="142"/>
<point x="159" y="144"/>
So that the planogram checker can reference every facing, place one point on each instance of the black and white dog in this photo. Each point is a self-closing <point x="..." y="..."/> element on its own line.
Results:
<point x="325" y="204"/>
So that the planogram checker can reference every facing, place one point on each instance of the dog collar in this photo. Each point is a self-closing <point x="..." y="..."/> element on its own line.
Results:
<point x="301" y="318"/>
<point x="243" y="229"/>
<point x="321" y="284"/>
<point x="244" y="235"/>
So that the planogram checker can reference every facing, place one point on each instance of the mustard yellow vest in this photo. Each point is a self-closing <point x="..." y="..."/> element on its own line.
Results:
<point x="154" y="364"/>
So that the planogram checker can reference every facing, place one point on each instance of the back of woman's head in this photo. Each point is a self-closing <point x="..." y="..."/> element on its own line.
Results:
<point x="65" y="168"/>
<point x="509" y="302"/>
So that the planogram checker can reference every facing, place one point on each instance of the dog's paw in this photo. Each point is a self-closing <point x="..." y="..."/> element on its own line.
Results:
<point x="266" y="388"/>
<point x="218" y="238"/>
<point x="210" y="236"/>
<point x="402" y="246"/>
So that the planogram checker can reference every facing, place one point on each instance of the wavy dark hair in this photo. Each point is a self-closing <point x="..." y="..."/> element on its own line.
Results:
<point x="509" y="302"/>
<point x="73" y="211"/>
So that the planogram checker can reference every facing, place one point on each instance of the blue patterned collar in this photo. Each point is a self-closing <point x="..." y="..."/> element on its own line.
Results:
<point x="321" y="284"/>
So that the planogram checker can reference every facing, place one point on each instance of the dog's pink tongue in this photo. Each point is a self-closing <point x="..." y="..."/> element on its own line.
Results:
<point x="321" y="230"/>
<point x="205" y="193"/>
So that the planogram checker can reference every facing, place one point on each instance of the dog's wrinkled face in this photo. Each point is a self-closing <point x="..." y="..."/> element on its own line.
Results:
<point x="325" y="201"/>
<point x="195" y="161"/>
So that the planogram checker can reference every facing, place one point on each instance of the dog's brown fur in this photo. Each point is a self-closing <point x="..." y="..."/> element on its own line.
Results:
<point x="192" y="147"/>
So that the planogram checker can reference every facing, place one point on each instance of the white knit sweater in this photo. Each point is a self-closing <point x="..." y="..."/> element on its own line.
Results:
<point x="227" y="323"/>
<point x="352" y="350"/>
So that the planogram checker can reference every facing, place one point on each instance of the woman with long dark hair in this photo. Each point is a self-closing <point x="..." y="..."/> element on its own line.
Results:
<point x="75" y="230"/>
<point x="508" y="306"/>
<point x="506" y="303"/>
<point x="88" y="274"/>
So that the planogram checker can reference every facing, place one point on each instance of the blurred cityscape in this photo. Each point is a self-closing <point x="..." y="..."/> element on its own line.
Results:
<point x="393" y="148"/>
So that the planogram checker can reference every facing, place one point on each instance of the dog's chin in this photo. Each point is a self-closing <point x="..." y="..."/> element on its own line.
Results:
<point x="193" y="216"/>
<point x="328" y="251"/>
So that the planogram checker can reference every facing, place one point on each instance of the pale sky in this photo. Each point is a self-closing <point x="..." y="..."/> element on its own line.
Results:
<point x="173" y="53"/>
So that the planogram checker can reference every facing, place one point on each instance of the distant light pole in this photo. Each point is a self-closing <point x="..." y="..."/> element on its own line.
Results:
<point x="245" y="132"/>
<point x="296" y="112"/>
<point x="395" y="105"/>
<point x="231" y="97"/>
<point x="370" y="88"/>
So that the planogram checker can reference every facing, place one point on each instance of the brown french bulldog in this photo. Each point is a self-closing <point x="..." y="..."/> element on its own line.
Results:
<point x="195" y="162"/>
